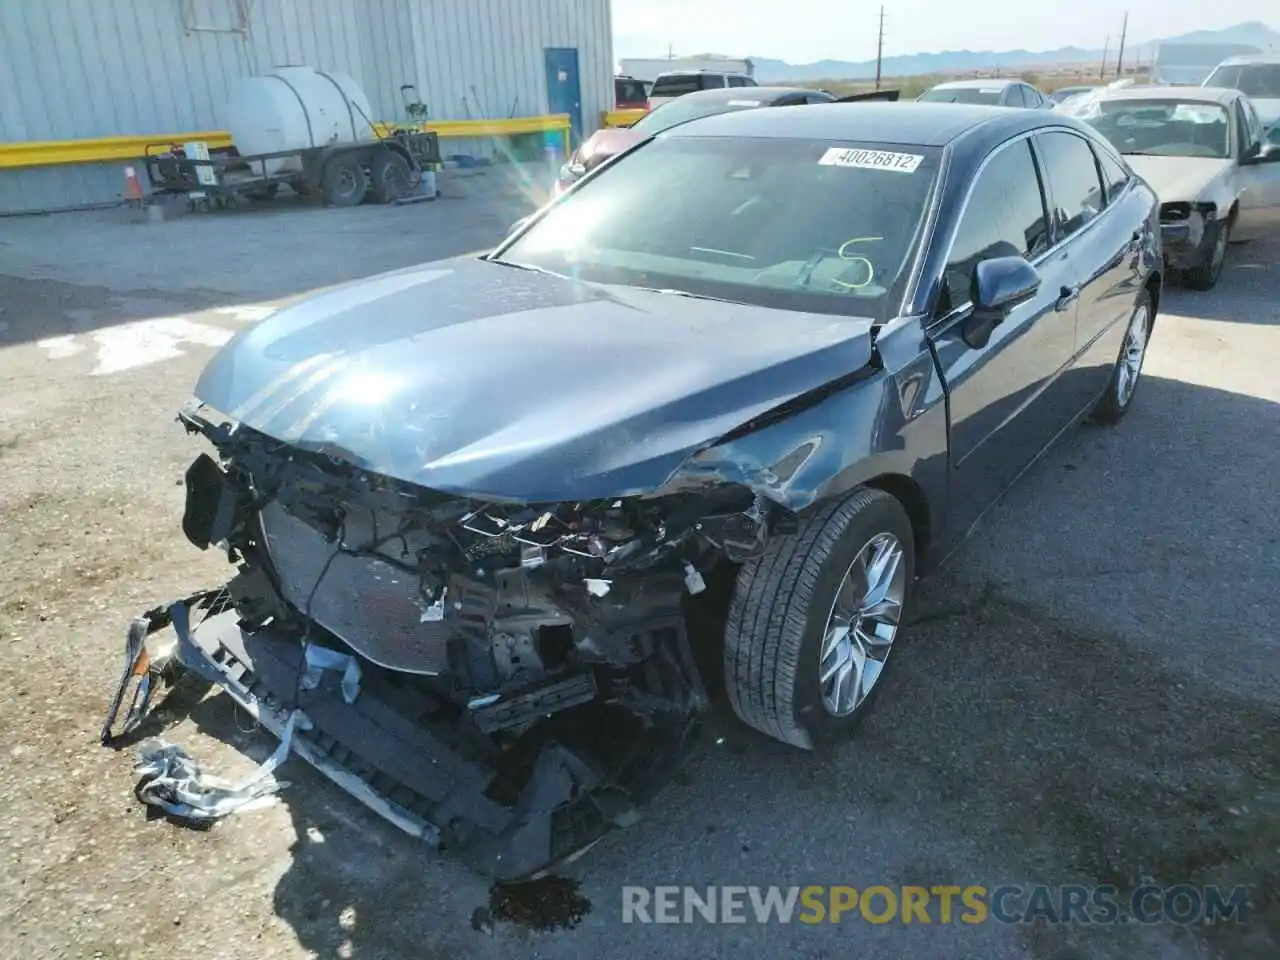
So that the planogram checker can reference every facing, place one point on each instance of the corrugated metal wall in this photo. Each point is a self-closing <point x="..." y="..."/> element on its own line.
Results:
<point x="93" y="68"/>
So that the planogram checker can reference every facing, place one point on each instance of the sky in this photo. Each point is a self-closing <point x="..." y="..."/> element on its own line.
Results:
<point x="801" y="31"/>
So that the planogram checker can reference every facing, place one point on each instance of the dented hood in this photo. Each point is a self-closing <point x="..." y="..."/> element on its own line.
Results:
<point x="1179" y="179"/>
<point x="472" y="377"/>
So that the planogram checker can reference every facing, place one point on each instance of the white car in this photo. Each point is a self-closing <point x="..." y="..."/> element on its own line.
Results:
<point x="677" y="83"/>
<point x="996" y="92"/>
<point x="1206" y="153"/>
<point x="1258" y="78"/>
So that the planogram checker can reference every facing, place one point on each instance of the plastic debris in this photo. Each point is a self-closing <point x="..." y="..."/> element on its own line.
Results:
<point x="320" y="659"/>
<point x="173" y="781"/>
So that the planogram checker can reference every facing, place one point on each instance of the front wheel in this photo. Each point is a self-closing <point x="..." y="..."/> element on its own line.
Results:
<point x="1205" y="276"/>
<point x="812" y="622"/>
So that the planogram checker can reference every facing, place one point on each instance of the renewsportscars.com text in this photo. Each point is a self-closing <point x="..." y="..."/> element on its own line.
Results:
<point x="944" y="904"/>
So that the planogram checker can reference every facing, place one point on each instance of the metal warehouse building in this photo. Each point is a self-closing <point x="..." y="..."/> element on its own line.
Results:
<point x="88" y="69"/>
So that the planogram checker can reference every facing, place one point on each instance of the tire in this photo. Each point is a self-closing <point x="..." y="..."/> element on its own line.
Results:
<point x="778" y="618"/>
<point x="1205" y="276"/>
<point x="344" y="182"/>
<point x="1127" y="373"/>
<point x="390" y="177"/>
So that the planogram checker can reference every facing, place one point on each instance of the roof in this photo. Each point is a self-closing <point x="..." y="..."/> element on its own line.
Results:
<point x="910" y="123"/>
<point x="694" y="71"/>
<point x="1222" y="96"/>
<point x="763" y="94"/>
<point x="1245" y="59"/>
<point x="987" y="83"/>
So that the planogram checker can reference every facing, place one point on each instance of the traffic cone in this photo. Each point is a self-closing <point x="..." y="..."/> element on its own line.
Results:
<point x="132" y="186"/>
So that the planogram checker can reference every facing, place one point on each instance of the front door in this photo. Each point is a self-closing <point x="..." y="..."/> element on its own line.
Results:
<point x="1259" y="182"/>
<point x="564" y="92"/>
<point x="1004" y="398"/>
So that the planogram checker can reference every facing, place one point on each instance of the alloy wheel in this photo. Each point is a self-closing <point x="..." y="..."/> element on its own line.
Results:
<point x="1135" y="350"/>
<point x="862" y="625"/>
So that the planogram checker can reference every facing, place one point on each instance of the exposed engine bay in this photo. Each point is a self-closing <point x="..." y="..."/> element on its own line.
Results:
<point x="526" y="677"/>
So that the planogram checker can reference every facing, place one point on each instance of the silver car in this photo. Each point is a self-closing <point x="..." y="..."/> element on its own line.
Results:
<point x="1206" y="153"/>
<point x="995" y="92"/>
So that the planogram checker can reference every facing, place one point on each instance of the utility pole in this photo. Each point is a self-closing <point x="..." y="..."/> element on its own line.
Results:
<point x="1106" y="49"/>
<point x="1124" y="31"/>
<point x="879" y="48"/>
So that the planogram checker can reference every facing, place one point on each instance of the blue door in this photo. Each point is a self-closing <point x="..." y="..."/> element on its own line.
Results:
<point x="564" y="94"/>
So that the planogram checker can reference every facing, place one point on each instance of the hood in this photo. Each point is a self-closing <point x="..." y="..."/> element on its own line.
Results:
<point x="1178" y="178"/>
<point x="474" y="378"/>
<point x="606" y="143"/>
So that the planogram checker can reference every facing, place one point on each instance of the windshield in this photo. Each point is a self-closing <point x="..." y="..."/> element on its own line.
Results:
<point x="1260" y="80"/>
<point x="963" y="95"/>
<point x="678" y="111"/>
<point x="807" y="225"/>
<point x="1161" y="128"/>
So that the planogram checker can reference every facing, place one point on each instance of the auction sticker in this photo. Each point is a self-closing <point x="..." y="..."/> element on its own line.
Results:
<point x="871" y="160"/>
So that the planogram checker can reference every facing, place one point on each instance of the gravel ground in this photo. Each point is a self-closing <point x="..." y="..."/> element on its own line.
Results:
<point x="1090" y="694"/>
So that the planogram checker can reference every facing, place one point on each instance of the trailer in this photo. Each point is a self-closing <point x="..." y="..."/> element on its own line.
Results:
<point x="309" y="129"/>
<point x="341" y="174"/>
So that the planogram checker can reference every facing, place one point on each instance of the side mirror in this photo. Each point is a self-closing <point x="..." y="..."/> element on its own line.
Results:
<point x="1267" y="152"/>
<point x="999" y="284"/>
<point x="519" y="225"/>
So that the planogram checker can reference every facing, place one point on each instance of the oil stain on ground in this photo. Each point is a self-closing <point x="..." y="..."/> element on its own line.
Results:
<point x="549" y="903"/>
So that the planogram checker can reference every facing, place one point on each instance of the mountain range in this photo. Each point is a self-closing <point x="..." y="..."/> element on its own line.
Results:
<point x="959" y="61"/>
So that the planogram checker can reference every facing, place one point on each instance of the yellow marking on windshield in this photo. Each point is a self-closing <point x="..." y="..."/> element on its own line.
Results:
<point x="842" y="253"/>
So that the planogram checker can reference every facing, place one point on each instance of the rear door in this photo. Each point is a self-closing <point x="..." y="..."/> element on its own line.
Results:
<point x="1003" y="397"/>
<point x="1102" y="232"/>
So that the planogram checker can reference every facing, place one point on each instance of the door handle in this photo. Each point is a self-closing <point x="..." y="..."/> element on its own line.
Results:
<point x="1066" y="297"/>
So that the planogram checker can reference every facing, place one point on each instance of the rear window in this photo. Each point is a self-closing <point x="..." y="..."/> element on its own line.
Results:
<point x="630" y="91"/>
<point x="678" y="86"/>
<point x="989" y="95"/>
<point x="793" y="224"/>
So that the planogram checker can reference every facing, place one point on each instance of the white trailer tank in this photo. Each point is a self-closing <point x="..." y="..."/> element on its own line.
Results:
<point x="295" y="108"/>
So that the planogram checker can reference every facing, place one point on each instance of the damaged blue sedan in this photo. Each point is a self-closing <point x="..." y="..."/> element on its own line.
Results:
<point x="505" y="526"/>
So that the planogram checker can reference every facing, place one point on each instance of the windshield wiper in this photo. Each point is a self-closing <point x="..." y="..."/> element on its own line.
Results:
<point x="668" y="291"/>
<point x="526" y="266"/>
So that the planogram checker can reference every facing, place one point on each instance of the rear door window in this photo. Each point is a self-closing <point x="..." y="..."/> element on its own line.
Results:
<point x="1114" y="174"/>
<point x="738" y="82"/>
<point x="1073" y="179"/>
<point x="629" y="91"/>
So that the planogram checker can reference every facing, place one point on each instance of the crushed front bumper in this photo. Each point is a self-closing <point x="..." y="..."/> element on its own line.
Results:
<point x="1188" y="242"/>
<point x="510" y="814"/>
